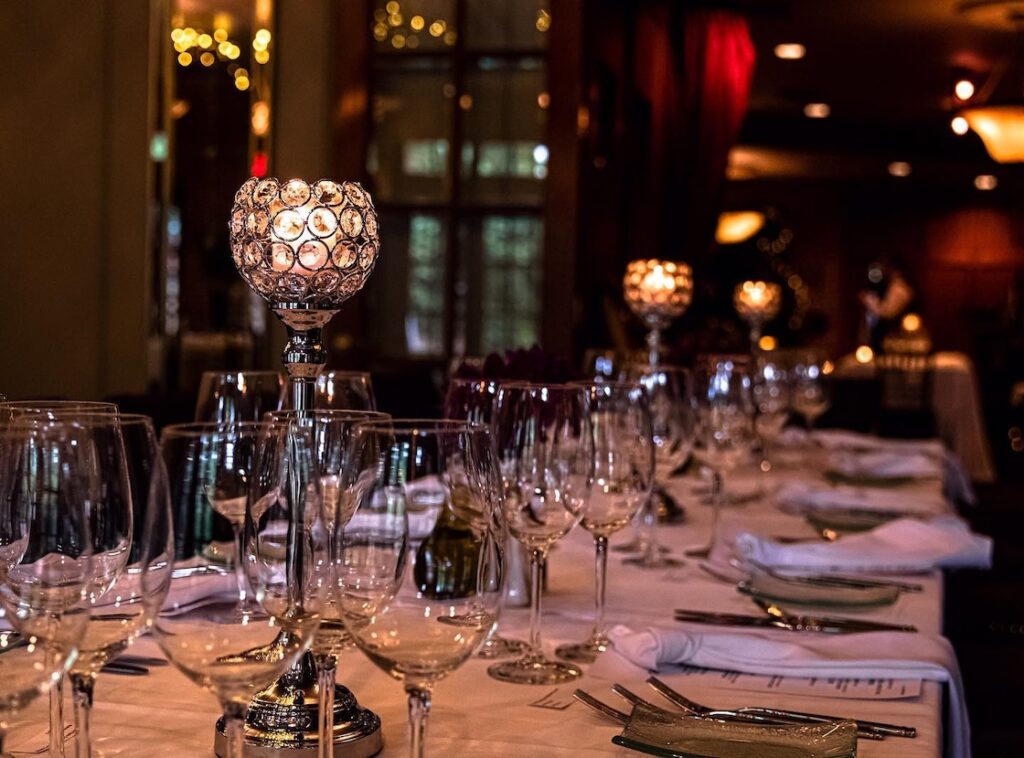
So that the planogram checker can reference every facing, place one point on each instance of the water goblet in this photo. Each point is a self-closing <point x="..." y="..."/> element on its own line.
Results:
<point x="724" y="437"/>
<point x="420" y="619"/>
<point x="229" y="397"/>
<point x="234" y="651"/>
<point x="811" y="387"/>
<point x="623" y="477"/>
<point x="770" y="392"/>
<point x="345" y="390"/>
<point x="545" y="449"/>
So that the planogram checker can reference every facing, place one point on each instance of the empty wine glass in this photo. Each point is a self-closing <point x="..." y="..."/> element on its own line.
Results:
<point x="331" y="431"/>
<point x="53" y="409"/>
<point x="229" y="651"/>
<point x="421" y="619"/>
<point x="623" y="477"/>
<point x="724" y="426"/>
<point x="46" y="561"/>
<point x="811" y="387"/>
<point x="215" y="462"/>
<point x="131" y="508"/>
<point x="672" y="418"/>
<point x="229" y="397"/>
<point x="771" y="396"/>
<point x="473" y="400"/>
<point x="546" y="451"/>
<point x="345" y="390"/>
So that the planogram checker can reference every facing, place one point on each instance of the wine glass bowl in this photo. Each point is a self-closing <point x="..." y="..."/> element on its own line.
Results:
<point x="345" y="390"/>
<point x="811" y="387"/>
<point x="236" y="396"/>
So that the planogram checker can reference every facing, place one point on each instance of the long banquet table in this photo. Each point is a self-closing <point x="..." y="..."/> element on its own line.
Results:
<point x="163" y="714"/>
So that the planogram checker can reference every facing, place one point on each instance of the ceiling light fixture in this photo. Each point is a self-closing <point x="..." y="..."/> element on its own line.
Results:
<point x="999" y="116"/>
<point x="817" y="110"/>
<point x="738" y="226"/>
<point x="964" y="89"/>
<point x="790" y="51"/>
<point x="899" y="168"/>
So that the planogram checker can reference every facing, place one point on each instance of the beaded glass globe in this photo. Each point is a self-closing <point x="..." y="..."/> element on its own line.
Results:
<point x="658" y="292"/>
<point x="302" y="244"/>
<point x="757" y="302"/>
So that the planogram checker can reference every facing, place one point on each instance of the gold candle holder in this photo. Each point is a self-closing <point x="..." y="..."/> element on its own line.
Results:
<point x="757" y="303"/>
<point x="658" y="292"/>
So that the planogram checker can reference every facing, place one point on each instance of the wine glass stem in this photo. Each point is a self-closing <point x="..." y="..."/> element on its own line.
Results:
<point x="601" y="566"/>
<point x="57" y="718"/>
<point x="81" y="695"/>
<point x="717" y="485"/>
<point x="234" y="729"/>
<point x="537" y="558"/>
<point x="419" y="710"/>
<point x="240" y="581"/>
<point x="650" y="521"/>
<point x="654" y="347"/>
<point x="326" y="666"/>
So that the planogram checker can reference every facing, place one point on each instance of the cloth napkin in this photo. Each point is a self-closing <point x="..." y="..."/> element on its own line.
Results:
<point x="904" y="545"/>
<point x="803" y="495"/>
<point x="885" y="465"/>
<point x="882" y="655"/>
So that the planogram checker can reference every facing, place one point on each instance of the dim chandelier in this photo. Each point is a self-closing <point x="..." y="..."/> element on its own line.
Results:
<point x="512" y="378"/>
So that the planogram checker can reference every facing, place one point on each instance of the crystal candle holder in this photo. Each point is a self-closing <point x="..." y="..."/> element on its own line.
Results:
<point x="657" y="292"/>
<point x="757" y="303"/>
<point x="305" y="248"/>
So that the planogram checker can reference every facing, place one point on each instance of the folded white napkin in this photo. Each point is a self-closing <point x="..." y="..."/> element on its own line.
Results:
<point x="803" y="495"/>
<point x="885" y="465"/>
<point x="904" y="545"/>
<point x="882" y="655"/>
<point x="841" y="439"/>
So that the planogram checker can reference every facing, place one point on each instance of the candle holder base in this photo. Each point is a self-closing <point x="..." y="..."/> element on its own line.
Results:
<point x="289" y="730"/>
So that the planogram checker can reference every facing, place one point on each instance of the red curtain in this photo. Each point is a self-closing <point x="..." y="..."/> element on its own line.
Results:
<point x="693" y="73"/>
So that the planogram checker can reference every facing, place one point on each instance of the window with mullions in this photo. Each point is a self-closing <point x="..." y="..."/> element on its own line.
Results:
<point x="458" y="160"/>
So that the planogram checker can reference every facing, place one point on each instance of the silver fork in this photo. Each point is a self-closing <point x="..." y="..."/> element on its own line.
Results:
<point x="872" y="730"/>
<point x="605" y="710"/>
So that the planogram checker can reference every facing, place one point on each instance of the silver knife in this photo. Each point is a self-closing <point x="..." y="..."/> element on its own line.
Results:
<point x="829" y="623"/>
<point x="793" y="623"/>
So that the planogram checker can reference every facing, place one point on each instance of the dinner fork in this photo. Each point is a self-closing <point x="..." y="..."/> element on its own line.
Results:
<point x="875" y="730"/>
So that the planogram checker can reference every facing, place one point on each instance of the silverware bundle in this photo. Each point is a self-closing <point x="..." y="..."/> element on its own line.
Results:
<point x="869" y="730"/>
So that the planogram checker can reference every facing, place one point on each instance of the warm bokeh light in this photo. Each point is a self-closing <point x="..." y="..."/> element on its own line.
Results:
<point x="827" y="368"/>
<point x="738" y="226"/>
<point x="1001" y="128"/>
<point x="964" y="89"/>
<point x="184" y="58"/>
<point x="767" y="343"/>
<point x="757" y="302"/>
<point x="242" y="82"/>
<point x="959" y="125"/>
<point x="543" y="100"/>
<point x="261" y="56"/>
<point x="899" y="168"/>
<point x="817" y="110"/>
<point x="911" y="322"/>
<point x="207" y="59"/>
<point x="260" y="118"/>
<point x="658" y="292"/>
<point x="417" y="23"/>
<point x="985" y="182"/>
<point x="790" y="51"/>
<point x="437" y="28"/>
<point x="543" y="21"/>
<point x="864" y="354"/>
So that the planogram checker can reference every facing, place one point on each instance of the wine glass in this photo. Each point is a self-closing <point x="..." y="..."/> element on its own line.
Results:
<point x="724" y="426"/>
<point x="546" y="451"/>
<point x="131" y="521"/>
<point x="230" y="650"/>
<point x="46" y="561"/>
<point x="473" y="400"/>
<point x="345" y="390"/>
<point x="771" y="396"/>
<point x="331" y="431"/>
<point x="229" y="397"/>
<point x="624" y="452"/>
<point x="421" y="619"/>
<point x="669" y="391"/>
<point x="811" y="387"/>
<point x="53" y="409"/>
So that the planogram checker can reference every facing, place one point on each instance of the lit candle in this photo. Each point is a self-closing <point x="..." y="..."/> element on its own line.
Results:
<point x="757" y="301"/>
<point x="658" y="291"/>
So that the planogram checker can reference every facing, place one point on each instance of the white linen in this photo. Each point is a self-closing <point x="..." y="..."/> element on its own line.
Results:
<point x="879" y="655"/>
<point x="885" y="465"/>
<point x="903" y="545"/>
<point x="805" y="495"/>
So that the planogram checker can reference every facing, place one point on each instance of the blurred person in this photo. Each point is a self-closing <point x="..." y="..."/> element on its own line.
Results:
<point x="886" y="299"/>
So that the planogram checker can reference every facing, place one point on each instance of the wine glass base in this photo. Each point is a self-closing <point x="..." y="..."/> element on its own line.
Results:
<point x="656" y="561"/>
<point x="534" y="670"/>
<point x="500" y="647"/>
<point x="582" y="652"/>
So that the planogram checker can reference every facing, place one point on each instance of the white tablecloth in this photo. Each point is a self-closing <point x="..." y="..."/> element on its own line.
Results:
<point x="163" y="714"/>
<point x="959" y="420"/>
